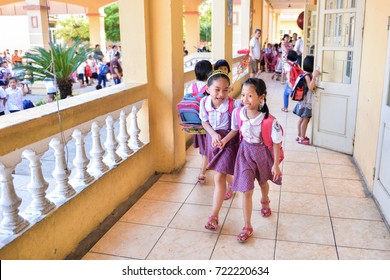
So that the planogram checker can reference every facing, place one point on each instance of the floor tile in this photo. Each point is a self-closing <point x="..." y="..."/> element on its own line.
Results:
<point x="203" y="195"/>
<point x="302" y="184"/>
<point x="194" y="217"/>
<point x="354" y="208"/>
<point x="339" y="171"/>
<point x="256" y="198"/>
<point x="361" y="234"/>
<point x="346" y="253"/>
<point x="304" y="251"/>
<point x="168" y="191"/>
<point x="228" y="248"/>
<point x="128" y="240"/>
<point x="294" y="146"/>
<point x="186" y="175"/>
<point x="305" y="228"/>
<point x="194" y="161"/>
<point x="302" y="203"/>
<point x="304" y="157"/>
<point x="335" y="159"/>
<point x="97" y="256"/>
<point x="263" y="227"/>
<point x="175" y="244"/>
<point x="151" y="212"/>
<point x="301" y="169"/>
<point x="344" y="187"/>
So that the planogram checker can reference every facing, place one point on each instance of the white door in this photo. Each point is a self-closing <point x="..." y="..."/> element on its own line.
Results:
<point x="382" y="170"/>
<point x="309" y="30"/>
<point x="338" y="53"/>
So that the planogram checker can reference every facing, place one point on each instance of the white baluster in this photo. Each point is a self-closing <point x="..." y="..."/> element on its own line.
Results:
<point x="111" y="159"/>
<point x="135" y="143"/>
<point x="37" y="187"/>
<point x="12" y="222"/>
<point x="60" y="173"/>
<point x="124" y="150"/>
<point x="97" y="166"/>
<point x="82" y="177"/>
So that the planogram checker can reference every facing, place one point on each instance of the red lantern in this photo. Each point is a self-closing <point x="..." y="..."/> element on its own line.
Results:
<point x="300" y="20"/>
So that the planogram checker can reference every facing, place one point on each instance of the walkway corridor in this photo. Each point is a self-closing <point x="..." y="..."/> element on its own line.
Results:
<point x="322" y="211"/>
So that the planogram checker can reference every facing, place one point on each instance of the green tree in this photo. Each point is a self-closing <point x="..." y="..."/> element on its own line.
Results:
<point x="73" y="29"/>
<point x="60" y="61"/>
<point x="205" y="10"/>
<point x="111" y="23"/>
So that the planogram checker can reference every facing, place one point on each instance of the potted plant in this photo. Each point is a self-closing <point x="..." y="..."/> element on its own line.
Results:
<point x="58" y="62"/>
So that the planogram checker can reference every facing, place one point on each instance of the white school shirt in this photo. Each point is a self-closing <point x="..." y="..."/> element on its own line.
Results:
<point x="251" y="128"/>
<point x="254" y="44"/>
<point x="14" y="99"/>
<point x="3" y="96"/>
<point x="219" y="118"/>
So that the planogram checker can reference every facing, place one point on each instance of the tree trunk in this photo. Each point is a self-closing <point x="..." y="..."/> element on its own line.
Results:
<point x="65" y="86"/>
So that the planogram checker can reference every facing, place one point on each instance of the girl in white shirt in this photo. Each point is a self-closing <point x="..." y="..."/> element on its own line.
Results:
<point x="215" y="113"/>
<point x="255" y="159"/>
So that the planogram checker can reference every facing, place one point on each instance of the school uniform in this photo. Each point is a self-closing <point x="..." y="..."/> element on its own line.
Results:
<point x="254" y="160"/>
<point x="220" y="160"/>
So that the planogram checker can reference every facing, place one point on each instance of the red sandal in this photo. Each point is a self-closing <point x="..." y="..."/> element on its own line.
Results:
<point x="266" y="212"/>
<point x="245" y="234"/>
<point x="212" y="223"/>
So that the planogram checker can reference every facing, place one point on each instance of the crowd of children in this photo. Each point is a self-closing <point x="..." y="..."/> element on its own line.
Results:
<point x="243" y="140"/>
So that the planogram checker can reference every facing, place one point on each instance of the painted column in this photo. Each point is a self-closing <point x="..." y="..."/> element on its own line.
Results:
<point x="222" y="31"/>
<point x="246" y="10"/>
<point x="257" y="17"/>
<point x="192" y="24"/>
<point x="38" y="23"/>
<point x="97" y="33"/>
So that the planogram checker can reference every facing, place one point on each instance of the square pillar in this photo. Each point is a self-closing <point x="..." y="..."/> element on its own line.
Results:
<point x="97" y="33"/>
<point x="38" y="23"/>
<point x="222" y="33"/>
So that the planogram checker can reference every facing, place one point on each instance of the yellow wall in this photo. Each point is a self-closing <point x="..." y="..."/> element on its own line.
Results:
<point x="371" y="86"/>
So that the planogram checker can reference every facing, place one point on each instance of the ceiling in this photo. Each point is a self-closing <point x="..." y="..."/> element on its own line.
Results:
<point x="288" y="7"/>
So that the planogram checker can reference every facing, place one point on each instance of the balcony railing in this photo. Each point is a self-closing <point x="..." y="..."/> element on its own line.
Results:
<point x="38" y="178"/>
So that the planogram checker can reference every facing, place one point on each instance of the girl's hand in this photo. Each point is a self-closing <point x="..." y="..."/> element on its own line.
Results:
<point x="216" y="140"/>
<point x="275" y="172"/>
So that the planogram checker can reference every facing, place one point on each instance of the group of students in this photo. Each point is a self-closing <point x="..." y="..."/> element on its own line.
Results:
<point x="237" y="132"/>
<point x="233" y="145"/>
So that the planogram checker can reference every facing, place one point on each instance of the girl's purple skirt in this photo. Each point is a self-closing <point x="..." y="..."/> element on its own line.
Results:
<point x="254" y="161"/>
<point x="222" y="160"/>
<point x="200" y="142"/>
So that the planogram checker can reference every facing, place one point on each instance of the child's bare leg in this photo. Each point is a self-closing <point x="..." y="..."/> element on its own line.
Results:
<point x="305" y="123"/>
<point x="202" y="175"/>
<point x="219" y="194"/>
<point x="266" y="210"/>
<point x="247" y="206"/>
<point x="300" y="128"/>
<point x="229" y="191"/>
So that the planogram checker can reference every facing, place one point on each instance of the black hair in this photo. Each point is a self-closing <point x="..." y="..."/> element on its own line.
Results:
<point x="257" y="30"/>
<point x="308" y="63"/>
<point x="285" y="35"/>
<point x="260" y="88"/>
<point x="203" y="69"/>
<point x="216" y="75"/>
<point x="292" y="55"/>
<point x="221" y="63"/>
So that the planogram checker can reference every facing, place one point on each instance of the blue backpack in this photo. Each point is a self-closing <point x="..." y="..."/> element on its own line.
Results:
<point x="188" y="109"/>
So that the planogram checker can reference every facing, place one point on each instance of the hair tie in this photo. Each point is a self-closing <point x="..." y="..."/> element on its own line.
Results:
<point x="218" y="72"/>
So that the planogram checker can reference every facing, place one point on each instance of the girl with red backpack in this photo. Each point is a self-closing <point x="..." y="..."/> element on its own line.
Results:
<point x="292" y="70"/>
<point x="260" y="152"/>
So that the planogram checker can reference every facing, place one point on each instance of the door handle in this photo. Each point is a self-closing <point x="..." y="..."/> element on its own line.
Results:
<point x="320" y="88"/>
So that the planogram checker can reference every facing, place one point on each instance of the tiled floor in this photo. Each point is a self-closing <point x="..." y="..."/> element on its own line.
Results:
<point x="322" y="211"/>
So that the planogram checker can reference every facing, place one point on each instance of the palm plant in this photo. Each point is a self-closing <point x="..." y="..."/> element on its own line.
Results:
<point x="59" y="62"/>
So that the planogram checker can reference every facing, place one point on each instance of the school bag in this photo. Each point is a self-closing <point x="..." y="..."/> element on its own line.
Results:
<point x="266" y="130"/>
<point x="103" y="70"/>
<point x="299" y="89"/>
<point x="295" y="71"/>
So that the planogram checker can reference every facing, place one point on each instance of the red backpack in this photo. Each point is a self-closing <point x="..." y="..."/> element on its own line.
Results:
<point x="266" y="130"/>
<point x="295" y="71"/>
